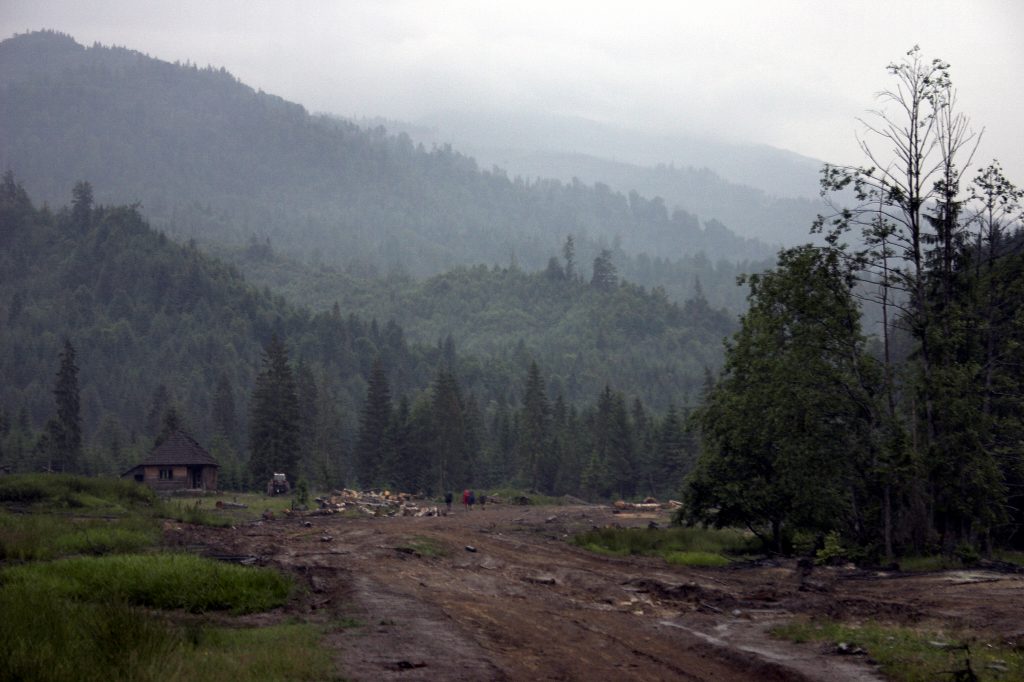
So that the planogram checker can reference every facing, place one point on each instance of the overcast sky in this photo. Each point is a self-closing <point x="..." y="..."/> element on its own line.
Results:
<point x="792" y="74"/>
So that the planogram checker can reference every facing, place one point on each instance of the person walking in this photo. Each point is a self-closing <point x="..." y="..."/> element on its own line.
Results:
<point x="465" y="499"/>
<point x="472" y="500"/>
<point x="448" y="500"/>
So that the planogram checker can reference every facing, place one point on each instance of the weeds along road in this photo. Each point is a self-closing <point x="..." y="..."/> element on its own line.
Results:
<point x="500" y="594"/>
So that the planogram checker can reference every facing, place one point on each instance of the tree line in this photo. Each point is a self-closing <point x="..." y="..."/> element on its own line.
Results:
<point x="443" y="438"/>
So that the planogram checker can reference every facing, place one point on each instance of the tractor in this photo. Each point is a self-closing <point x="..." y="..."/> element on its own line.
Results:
<point x="278" y="485"/>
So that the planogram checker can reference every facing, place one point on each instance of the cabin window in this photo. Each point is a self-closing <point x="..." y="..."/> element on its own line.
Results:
<point x="166" y="474"/>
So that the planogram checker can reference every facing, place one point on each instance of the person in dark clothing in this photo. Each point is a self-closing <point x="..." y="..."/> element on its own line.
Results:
<point x="483" y="501"/>
<point x="472" y="500"/>
<point x="448" y="500"/>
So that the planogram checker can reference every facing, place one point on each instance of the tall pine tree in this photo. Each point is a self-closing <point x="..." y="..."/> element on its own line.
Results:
<point x="274" y="424"/>
<point x="66" y="429"/>
<point x="534" y="430"/>
<point x="374" y="443"/>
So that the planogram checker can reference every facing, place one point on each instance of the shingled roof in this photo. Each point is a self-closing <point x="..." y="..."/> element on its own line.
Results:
<point x="179" y="448"/>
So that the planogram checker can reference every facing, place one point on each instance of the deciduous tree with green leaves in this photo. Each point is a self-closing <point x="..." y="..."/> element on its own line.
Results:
<point x="786" y="428"/>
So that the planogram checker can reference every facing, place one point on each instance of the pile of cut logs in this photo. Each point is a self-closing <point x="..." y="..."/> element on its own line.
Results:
<point x="375" y="503"/>
<point x="649" y="504"/>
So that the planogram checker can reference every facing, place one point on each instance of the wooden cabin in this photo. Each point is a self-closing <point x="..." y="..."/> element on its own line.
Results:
<point x="178" y="463"/>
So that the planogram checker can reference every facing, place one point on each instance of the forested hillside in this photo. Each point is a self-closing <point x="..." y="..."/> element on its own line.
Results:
<point x="211" y="159"/>
<point x="558" y="313"/>
<point x="155" y="331"/>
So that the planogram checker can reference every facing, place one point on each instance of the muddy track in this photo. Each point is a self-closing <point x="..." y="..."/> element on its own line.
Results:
<point x="500" y="595"/>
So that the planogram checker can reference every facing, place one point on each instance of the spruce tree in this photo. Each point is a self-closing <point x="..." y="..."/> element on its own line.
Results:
<point x="373" y="444"/>
<point x="307" y="391"/>
<point x="225" y="418"/>
<point x="66" y="429"/>
<point x="605" y="277"/>
<point x="158" y="405"/>
<point x="534" y="429"/>
<point x="81" y="206"/>
<point x="448" y="414"/>
<point x="274" y="424"/>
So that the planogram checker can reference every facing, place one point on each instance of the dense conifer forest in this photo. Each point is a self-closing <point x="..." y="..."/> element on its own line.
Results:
<point x="159" y="331"/>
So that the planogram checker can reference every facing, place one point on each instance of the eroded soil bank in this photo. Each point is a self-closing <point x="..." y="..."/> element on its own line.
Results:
<point x="500" y="595"/>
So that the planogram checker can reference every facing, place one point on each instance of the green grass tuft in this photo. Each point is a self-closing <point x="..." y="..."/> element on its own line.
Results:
<point x="680" y="546"/>
<point x="64" y="491"/>
<point x="45" y="637"/>
<point x="278" y="652"/>
<point x="195" y="513"/>
<point x="696" y="559"/>
<point x="910" y="655"/>
<point x="515" y="496"/>
<point x="40" y="537"/>
<point x="162" y="581"/>
<point x="426" y="547"/>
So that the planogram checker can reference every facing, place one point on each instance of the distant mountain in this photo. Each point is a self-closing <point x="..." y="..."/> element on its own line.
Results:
<point x="747" y="211"/>
<point x="502" y="137"/>
<point x="213" y="160"/>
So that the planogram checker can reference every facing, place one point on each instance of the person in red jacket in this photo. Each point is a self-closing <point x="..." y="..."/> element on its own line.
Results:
<point x="465" y="499"/>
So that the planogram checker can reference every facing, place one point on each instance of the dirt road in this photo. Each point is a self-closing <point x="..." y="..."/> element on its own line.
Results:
<point x="501" y="595"/>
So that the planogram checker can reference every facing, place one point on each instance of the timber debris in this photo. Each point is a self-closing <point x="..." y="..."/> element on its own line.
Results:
<point x="375" y="503"/>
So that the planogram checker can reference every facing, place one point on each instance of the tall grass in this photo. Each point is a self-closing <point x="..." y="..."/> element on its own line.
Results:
<point x="37" y="537"/>
<point x="681" y="546"/>
<point x="279" y="652"/>
<point x="74" y="492"/>
<point x="49" y="639"/>
<point x="162" y="581"/>
<point x="44" y="637"/>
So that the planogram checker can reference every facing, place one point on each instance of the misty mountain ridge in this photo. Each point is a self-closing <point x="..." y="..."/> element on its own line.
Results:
<point x="211" y="159"/>
<point x="776" y="202"/>
<point x="498" y="138"/>
<point x="746" y="210"/>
